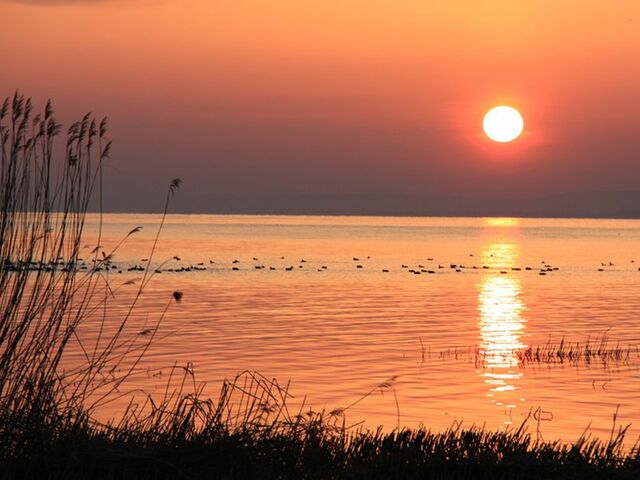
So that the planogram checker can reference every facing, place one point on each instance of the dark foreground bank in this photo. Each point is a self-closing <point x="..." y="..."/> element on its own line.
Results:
<point x="314" y="450"/>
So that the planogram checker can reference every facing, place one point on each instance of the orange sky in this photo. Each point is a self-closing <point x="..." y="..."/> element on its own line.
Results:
<point x="339" y="105"/>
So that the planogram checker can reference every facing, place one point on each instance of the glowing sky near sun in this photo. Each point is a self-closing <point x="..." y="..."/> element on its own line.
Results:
<point x="327" y="105"/>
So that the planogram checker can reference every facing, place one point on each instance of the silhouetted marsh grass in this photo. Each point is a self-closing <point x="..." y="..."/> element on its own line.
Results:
<point x="47" y="423"/>
<point x="44" y="298"/>
<point x="597" y="351"/>
<point x="250" y="433"/>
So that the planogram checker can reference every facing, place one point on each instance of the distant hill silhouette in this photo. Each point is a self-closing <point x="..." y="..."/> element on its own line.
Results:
<point x="574" y="204"/>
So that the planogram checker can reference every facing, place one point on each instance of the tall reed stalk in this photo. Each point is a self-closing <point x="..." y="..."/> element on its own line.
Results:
<point x="44" y="297"/>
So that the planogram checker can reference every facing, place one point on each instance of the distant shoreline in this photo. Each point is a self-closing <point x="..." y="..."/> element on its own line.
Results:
<point x="368" y="215"/>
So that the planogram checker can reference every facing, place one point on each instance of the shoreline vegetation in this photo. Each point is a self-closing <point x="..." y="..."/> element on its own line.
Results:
<point x="47" y="423"/>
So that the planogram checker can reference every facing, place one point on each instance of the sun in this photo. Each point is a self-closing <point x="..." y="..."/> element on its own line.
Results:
<point x="503" y="124"/>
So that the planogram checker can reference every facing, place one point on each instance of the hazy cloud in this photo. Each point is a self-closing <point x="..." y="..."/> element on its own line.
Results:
<point x="53" y="2"/>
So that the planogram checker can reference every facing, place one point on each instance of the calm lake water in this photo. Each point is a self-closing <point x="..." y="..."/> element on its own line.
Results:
<point x="339" y="331"/>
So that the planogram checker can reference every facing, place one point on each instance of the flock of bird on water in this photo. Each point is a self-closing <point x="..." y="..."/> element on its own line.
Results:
<point x="107" y="264"/>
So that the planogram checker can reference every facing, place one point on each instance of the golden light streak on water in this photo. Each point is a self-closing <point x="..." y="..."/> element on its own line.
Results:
<point x="501" y="323"/>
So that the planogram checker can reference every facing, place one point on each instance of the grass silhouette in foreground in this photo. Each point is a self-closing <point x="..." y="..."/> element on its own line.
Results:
<point x="249" y="433"/>
<point x="47" y="423"/>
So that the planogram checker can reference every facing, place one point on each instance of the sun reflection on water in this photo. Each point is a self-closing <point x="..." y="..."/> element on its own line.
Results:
<point x="500" y="222"/>
<point x="501" y="323"/>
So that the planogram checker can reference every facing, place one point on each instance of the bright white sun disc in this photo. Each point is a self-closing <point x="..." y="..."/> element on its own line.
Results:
<point x="503" y="124"/>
